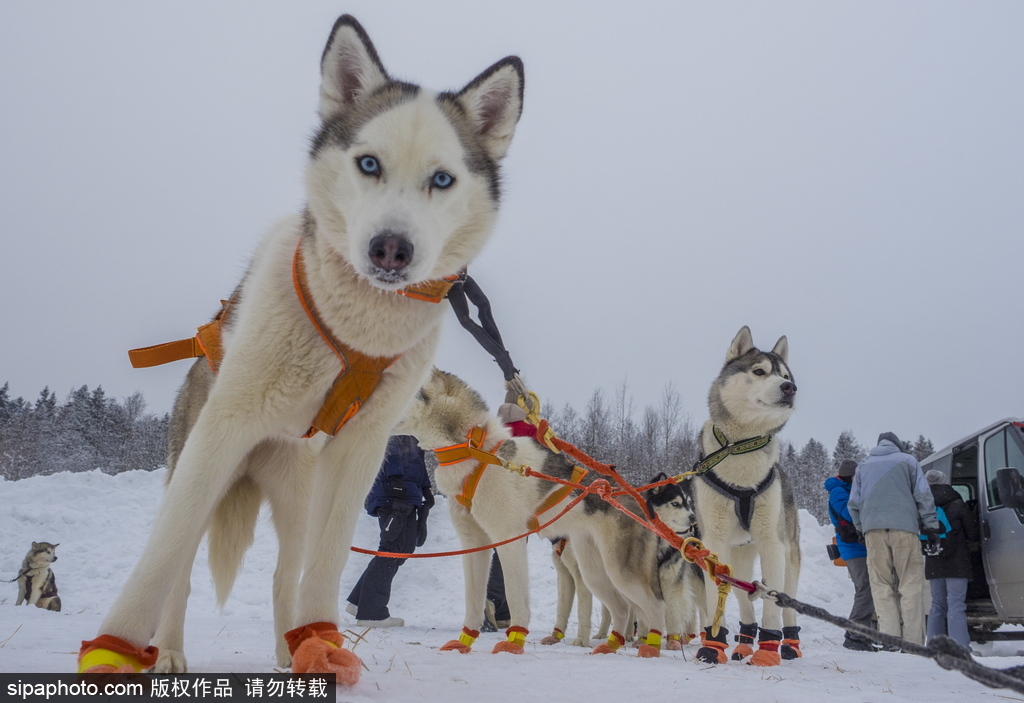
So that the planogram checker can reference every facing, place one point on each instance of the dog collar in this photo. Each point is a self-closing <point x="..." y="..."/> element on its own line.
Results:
<point x="744" y="446"/>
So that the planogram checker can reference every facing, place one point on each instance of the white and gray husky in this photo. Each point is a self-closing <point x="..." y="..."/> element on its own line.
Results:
<point x="402" y="188"/>
<point x="36" y="584"/>
<point x="617" y="557"/>
<point x="744" y="503"/>
<point x="682" y="583"/>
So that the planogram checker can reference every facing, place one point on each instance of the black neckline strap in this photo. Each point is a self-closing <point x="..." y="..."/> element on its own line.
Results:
<point x="485" y="332"/>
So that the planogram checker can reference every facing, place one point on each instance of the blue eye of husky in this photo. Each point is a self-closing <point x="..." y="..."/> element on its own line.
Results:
<point x="368" y="165"/>
<point x="442" y="180"/>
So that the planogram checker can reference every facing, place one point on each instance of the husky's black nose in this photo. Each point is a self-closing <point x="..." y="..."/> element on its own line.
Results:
<point x="390" y="251"/>
<point x="788" y="388"/>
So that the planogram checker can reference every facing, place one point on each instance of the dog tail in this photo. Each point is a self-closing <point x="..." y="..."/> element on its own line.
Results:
<point x="232" y="530"/>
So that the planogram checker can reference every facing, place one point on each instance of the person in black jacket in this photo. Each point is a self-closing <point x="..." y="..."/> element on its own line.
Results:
<point x="400" y="499"/>
<point x="950" y="570"/>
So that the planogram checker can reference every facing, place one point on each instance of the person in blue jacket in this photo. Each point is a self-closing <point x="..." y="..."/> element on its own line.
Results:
<point x="853" y="553"/>
<point x="400" y="499"/>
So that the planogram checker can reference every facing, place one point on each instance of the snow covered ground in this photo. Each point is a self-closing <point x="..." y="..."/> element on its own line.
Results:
<point x="101" y="523"/>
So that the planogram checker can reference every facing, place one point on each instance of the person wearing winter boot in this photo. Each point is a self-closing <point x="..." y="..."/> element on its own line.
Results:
<point x="852" y="552"/>
<point x="949" y="571"/>
<point x="400" y="499"/>
<point x="890" y="503"/>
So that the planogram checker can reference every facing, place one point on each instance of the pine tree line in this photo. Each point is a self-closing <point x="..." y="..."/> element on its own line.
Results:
<point x="87" y="431"/>
<point x="664" y="437"/>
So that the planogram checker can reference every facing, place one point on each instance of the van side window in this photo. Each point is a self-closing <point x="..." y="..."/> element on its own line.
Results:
<point x="1001" y="450"/>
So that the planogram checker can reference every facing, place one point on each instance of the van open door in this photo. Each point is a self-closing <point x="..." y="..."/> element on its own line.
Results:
<point x="1002" y="519"/>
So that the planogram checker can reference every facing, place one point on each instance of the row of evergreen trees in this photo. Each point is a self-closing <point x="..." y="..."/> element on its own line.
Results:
<point x="663" y="437"/>
<point x="87" y="431"/>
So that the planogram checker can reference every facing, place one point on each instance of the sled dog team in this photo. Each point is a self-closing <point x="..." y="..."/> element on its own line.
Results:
<point x="325" y="349"/>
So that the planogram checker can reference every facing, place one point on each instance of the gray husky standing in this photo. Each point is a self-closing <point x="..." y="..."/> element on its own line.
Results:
<point x="36" y="584"/>
<point x="744" y="503"/>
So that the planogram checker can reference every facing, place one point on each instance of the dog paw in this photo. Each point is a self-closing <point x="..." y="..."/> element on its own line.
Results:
<point x="550" y="639"/>
<point x="317" y="655"/>
<point x="506" y="646"/>
<point x="455" y="646"/>
<point x="581" y="642"/>
<point x="741" y="652"/>
<point x="648" y="652"/>
<point x="710" y="655"/>
<point x="765" y="657"/>
<point x="170" y="662"/>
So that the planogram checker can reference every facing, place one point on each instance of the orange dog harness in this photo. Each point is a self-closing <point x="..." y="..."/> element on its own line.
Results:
<point x="359" y="376"/>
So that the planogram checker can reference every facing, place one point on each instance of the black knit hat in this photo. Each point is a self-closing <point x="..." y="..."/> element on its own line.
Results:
<point x="891" y="436"/>
<point x="847" y="468"/>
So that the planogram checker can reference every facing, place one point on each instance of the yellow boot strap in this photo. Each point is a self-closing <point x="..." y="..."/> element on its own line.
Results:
<point x="615" y="640"/>
<point x="468" y="637"/>
<point x="104" y="657"/>
<point x="654" y="639"/>
<point x="517" y="635"/>
<point x="558" y="633"/>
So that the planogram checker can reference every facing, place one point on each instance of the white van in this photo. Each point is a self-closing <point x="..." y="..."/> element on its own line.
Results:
<point x="986" y="468"/>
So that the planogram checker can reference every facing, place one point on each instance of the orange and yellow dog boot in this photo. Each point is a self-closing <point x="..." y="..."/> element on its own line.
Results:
<point x="615" y="640"/>
<point x="651" y="649"/>
<point x="712" y="649"/>
<point x="317" y="649"/>
<point x="514" y="643"/>
<point x="112" y="655"/>
<point x="465" y="642"/>
<point x="767" y="653"/>
<point x="745" y="641"/>
<point x="674" y="642"/>
<point x="555" y="637"/>
<point x="790" y="648"/>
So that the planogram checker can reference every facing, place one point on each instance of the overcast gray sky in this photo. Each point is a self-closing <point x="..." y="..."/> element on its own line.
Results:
<point x="848" y="174"/>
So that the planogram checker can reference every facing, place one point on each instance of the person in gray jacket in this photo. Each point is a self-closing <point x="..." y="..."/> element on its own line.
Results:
<point x="891" y="503"/>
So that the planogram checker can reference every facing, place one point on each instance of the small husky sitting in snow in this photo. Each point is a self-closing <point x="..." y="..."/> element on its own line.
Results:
<point x="36" y="584"/>
<point x="617" y="556"/>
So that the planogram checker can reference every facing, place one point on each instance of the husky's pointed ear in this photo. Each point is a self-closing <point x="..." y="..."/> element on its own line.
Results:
<point x="782" y="349"/>
<point x="494" y="101"/>
<point x="741" y="344"/>
<point x="349" y="67"/>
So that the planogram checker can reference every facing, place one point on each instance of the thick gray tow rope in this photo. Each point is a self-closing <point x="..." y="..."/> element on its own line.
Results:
<point x="946" y="652"/>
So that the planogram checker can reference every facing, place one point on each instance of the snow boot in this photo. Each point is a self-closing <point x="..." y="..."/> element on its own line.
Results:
<point x="790" y="648"/>
<point x="745" y="639"/>
<point x="767" y="653"/>
<point x="712" y="649"/>
<point x="318" y="648"/>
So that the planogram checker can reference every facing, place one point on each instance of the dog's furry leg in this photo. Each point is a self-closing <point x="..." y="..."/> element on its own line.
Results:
<point x="170" y="635"/>
<point x="475" y="566"/>
<point x="344" y="472"/>
<point x="206" y="468"/>
<point x="606" y="623"/>
<point x="584" y="606"/>
<point x="517" y="582"/>
<point x="288" y="495"/>
<point x="566" y="588"/>
<point x="596" y="577"/>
